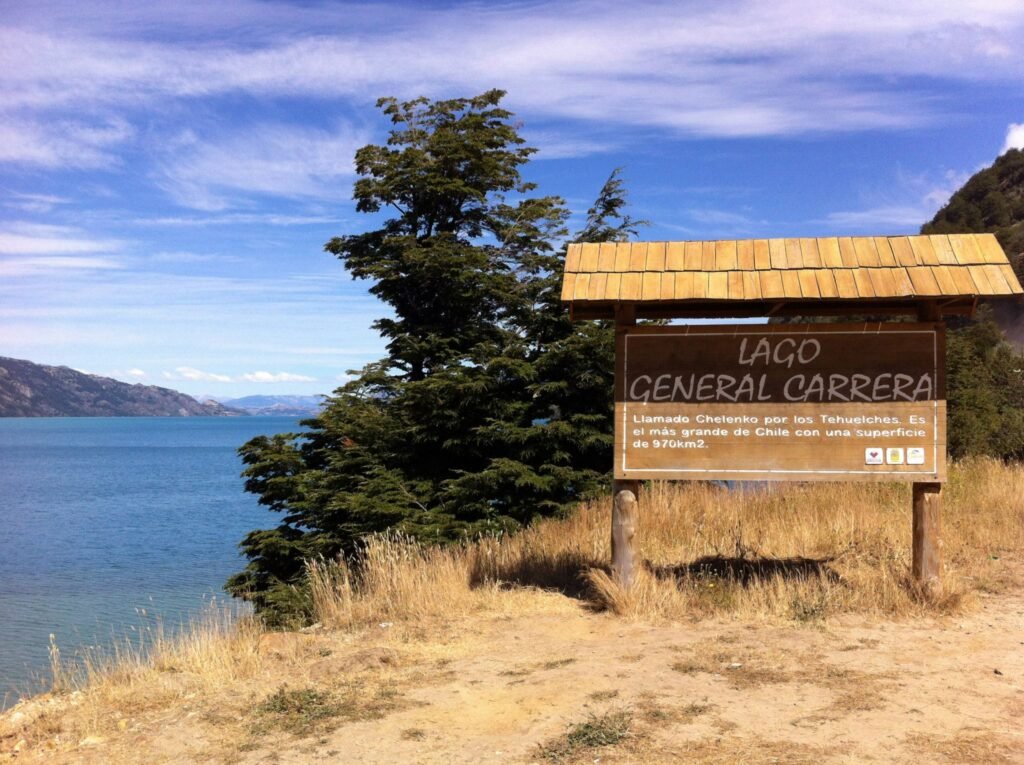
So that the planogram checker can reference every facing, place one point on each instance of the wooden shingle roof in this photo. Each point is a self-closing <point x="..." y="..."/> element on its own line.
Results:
<point x="760" y="276"/>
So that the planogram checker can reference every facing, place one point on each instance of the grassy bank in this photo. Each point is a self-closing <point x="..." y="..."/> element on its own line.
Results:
<point x="790" y="555"/>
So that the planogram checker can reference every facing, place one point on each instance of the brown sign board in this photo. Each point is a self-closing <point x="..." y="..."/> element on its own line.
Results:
<point x="798" y="402"/>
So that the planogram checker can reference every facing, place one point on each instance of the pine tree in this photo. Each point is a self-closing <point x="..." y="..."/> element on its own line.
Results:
<point x="490" y="409"/>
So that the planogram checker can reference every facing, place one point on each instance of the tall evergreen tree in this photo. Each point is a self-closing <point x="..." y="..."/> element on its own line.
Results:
<point x="490" y="409"/>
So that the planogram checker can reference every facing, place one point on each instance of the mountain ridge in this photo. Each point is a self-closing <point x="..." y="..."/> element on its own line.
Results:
<point x="28" y="389"/>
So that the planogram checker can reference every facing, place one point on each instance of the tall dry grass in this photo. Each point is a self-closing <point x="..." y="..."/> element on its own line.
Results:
<point x="789" y="551"/>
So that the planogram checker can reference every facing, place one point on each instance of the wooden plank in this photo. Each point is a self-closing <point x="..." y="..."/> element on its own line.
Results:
<point x="828" y="249"/>
<point x="606" y="256"/>
<point x="582" y="287"/>
<point x="944" y="279"/>
<point x="867" y="255"/>
<point x="771" y="285"/>
<point x="777" y="253"/>
<point x="847" y="252"/>
<point x="588" y="258"/>
<point x="924" y="251"/>
<point x="981" y="279"/>
<point x="904" y="286"/>
<point x="638" y="256"/>
<point x="700" y="284"/>
<point x="692" y="256"/>
<point x="995" y="277"/>
<point x="845" y="283"/>
<point x="1011" y="278"/>
<point x="943" y="250"/>
<point x="966" y="249"/>
<point x="762" y="257"/>
<point x="808" y="284"/>
<point x="794" y="258"/>
<point x="630" y="287"/>
<point x="745" y="255"/>
<point x="598" y="282"/>
<point x="572" y="258"/>
<point x="927" y="546"/>
<point x="735" y="285"/>
<point x="882" y="282"/>
<point x="675" y="258"/>
<point x="655" y="256"/>
<point x="924" y="282"/>
<point x="863" y="280"/>
<point x="683" y="285"/>
<point x="902" y="250"/>
<point x="991" y="250"/>
<point x="751" y="285"/>
<point x="613" y="287"/>
<point x="623" y="255"/>
<point x="707" y="259"/>
<point x="809" y="253"/>
<point x="668" y="286"/>
<point x="568" y="286"/>
<point x="718" y="285"/>
<point x="826" y="284"/>
<point x="651" y="289"/>
<point x="885" y="253"/>
<point x="725" y="255"/>
<point x="791" y="284"/>
<point x="962" y="278"/>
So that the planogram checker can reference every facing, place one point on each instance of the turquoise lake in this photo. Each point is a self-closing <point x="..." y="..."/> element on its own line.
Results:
<point x="112" y="523"/>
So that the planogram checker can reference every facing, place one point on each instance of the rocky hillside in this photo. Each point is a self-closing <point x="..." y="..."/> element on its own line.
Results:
<point x="992" y="201"/>
<point x="36" y="390"/>
<point x="291" y="406"/>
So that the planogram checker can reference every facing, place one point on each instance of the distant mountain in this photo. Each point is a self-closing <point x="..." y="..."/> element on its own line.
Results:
<point x="992" y="201"/>
<point x="294" y="406"/>
<point x="37" y="390"/>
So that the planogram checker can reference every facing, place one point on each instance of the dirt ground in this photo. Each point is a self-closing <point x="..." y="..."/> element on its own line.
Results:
<point x="562" y="684"/>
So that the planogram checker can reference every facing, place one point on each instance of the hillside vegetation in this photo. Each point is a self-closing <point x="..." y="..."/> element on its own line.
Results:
<point x="765" y="627"/>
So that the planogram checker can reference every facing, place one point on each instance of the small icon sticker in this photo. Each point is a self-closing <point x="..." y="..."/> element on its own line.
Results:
<point x="894" y="455"/>
<point x="915" y="455"/>
<point x="873" y="456"/>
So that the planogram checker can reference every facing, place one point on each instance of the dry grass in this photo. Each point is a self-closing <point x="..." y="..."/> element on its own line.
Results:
<point x="789" y="552"/>
<point x="794" y="553"/>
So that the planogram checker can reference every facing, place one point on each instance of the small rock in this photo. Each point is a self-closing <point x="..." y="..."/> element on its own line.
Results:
<point x="22" y="743"/>
<point x="92" y="741"/>
<point x="997" y="671"/>
<point x="17" y="717"/>
<point x="122" y="724"/>
<point x="735" y="665"/>
<point x="385" y="625"/>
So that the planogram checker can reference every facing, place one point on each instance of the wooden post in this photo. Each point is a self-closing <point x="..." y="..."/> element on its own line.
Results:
<point x="624" y="493"/>
<point x="624" y="504"/>
<point x="927" y="561"/>
<point x="927" y="566"/>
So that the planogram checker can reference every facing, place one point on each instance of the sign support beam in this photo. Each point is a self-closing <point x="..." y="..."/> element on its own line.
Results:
<point x="927" y="512"/>
<point x="625" y="494"/>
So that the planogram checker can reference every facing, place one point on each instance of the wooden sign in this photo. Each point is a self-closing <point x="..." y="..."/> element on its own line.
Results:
<point x="799" y="402"/>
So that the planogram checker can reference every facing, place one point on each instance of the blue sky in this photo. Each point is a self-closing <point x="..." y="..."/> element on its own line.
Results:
<point x="169" y="172"/>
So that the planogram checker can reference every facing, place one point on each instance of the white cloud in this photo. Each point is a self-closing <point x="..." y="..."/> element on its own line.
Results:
<point x="190" y="373"/>
<point x="22" y="238"/>
<point x="136" y="372"/>
<point x="49" y="264"/>
<point x="62" y="144"/>
<point x="269" y="377"/>
<point x="1014" y="137"/>
<point x="33" y="203"/>
<point x="272" y="159"/>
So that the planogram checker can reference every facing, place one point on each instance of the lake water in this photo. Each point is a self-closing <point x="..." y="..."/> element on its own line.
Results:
<point x="107" y="524"/>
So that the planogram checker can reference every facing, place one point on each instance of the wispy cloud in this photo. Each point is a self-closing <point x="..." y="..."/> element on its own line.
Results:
<point x="191" y="373"/>
<point x="25" y="238"/>
<point x="33" y="203"/>
<point x="275" y="377"/>
<point x="281" y="160"/>
<point x="12" y="267"/>
<point x="1014" y="137"/>
<point x="62" y="143"/>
